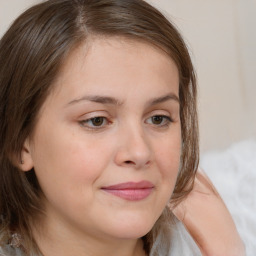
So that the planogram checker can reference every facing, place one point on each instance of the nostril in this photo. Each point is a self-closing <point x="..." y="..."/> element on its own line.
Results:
<point x="129" y="162"/>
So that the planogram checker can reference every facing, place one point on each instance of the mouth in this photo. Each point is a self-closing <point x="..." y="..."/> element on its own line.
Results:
<point x="131" y="191"/>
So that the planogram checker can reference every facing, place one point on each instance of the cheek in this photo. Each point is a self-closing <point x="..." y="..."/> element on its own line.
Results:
<point x="88" y="160"/>
<point x="62" y="159"/>
<point x="68" y="168"/>
<point x="168" y="159"/>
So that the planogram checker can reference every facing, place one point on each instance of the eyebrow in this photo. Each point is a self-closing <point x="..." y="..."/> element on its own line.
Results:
<point x="169" y="96"/>
<point x="97" y="99"/>
<point x="114" y="101"/>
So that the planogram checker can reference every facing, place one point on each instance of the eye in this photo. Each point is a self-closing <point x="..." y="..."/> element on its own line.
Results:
<point x="95" y="122"/>
<point x="159" y="120"/>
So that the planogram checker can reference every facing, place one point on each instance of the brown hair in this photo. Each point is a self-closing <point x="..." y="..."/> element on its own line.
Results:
<point x="31" y="54"/>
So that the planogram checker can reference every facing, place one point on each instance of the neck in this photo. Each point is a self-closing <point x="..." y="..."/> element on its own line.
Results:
<point x="90" y="248"/>
<point x="54" y="240"/>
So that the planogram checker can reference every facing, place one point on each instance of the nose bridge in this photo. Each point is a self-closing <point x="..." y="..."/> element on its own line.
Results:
<point x="134" y="146"/>
<point x="138" y="141"/>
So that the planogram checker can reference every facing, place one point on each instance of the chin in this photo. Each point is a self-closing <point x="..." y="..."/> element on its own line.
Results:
<point x="133" y="230"/>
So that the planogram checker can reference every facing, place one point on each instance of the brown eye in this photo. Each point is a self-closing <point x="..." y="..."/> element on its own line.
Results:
<point x="97" y="121"/>
<point x="157" y="120"/>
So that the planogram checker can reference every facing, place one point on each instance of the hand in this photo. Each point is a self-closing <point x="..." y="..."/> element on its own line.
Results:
<point x="208" y="220"/>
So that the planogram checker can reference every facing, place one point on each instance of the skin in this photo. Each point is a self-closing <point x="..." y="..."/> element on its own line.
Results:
<point x="208" y="221"/>
<point x="73" y="158"/>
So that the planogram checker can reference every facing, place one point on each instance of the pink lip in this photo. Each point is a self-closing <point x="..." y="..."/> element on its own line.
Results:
<point x="132" y="191"/>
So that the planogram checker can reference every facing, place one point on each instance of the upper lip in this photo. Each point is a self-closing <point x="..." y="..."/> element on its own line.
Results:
<point x="130" y="185"/>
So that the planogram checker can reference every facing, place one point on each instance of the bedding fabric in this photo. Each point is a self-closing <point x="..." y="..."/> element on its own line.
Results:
<point x="233" y="172"/>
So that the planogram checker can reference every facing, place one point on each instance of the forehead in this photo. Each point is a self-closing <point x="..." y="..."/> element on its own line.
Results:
<point x="99" y="48"/>
<point x="107" y="63"/>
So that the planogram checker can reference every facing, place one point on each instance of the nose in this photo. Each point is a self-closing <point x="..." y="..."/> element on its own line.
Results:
<point x="134" y="150"/>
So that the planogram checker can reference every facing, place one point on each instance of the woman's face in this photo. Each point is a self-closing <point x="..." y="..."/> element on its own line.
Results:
<point x="107" y="144"/>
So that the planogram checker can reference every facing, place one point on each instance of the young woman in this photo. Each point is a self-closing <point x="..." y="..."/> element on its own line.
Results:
<point x="99" y="140"/>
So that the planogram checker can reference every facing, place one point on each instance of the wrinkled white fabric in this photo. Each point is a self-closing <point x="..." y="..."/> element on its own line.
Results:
<point x="233" y="172"/>
<point x="182" y="243"/>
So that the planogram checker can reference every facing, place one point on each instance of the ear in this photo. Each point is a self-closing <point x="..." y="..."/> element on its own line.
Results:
<point x="26" y="161"/>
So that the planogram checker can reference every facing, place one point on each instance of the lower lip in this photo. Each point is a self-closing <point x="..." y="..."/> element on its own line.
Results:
<point x="130" y="194"/>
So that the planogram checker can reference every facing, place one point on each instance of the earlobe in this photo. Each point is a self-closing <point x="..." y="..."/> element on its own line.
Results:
<point x="26" y="160"/>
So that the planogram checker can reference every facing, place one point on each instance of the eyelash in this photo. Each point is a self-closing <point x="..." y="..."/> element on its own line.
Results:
<point x="165" y="121"/>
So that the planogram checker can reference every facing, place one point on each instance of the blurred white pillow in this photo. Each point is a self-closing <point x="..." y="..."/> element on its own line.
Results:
<point x="233" y="172"/>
